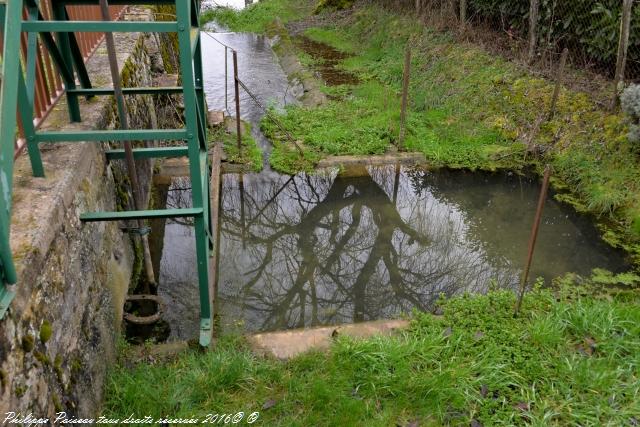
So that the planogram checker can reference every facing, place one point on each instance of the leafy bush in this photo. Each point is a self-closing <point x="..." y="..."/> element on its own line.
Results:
<point x="630" y="100"/>
<point x="591" y="28"/>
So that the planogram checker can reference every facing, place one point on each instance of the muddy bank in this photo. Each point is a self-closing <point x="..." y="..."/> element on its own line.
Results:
<point x="309" y="88"/>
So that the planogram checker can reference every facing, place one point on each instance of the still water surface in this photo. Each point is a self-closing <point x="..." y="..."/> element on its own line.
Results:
<point x="361" y="245"/>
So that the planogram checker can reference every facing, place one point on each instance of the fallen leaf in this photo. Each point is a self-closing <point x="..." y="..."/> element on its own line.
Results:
<point x="269" y="404"/>
<point x="478" y="335"/>
<point x="590" y="345"/>
<point x="475" y="423"/>
<point x="523" y="406"/>
<point x="413" y="423"/>
<point x="587" y="347"/>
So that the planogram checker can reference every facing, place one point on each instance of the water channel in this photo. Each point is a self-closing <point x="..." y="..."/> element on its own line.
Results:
<point x="356" y="245"/>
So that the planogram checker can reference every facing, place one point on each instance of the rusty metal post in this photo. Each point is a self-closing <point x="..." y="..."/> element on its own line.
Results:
<point x="226" y="79"/>
<point x="623" y="48"/>
<point x="405" y="96"/>
<point x="559" y="80"/>
<point x="534" y="10"/>
<point x="124" y="125"/>
<point x="237" y="89"/>
<point x="532" y="239"/>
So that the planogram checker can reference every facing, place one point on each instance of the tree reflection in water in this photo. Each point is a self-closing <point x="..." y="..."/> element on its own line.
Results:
<point x="311" y="250"/>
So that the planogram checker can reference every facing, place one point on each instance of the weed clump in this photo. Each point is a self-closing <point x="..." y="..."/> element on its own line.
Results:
<point x="333" y="5"/>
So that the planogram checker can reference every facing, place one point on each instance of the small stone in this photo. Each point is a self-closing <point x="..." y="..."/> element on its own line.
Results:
<point x="475" y="423"/>
<point x="447" y="332"/>
<point x="269" y="404"/>
<point x="484" y="390"/>
<point x="478" y="335"/>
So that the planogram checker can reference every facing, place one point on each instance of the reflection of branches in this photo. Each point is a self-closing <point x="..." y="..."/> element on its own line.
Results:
<point x="179" y="197"/>
<point x="309" y="250"/>
<point x="322" y="249"/>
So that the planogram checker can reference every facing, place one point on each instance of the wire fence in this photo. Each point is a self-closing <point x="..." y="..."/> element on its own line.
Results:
<point x="594" y="31"/>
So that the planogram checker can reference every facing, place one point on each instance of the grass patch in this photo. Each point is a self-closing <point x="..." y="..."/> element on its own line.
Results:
<point x="257" y="17"/>
<point x="250" y="154"/>
<point x="568" y="360"/>
<point x="335" y="37"/>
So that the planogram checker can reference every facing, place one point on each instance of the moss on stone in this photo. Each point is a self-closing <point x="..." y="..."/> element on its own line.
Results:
<point x="45" y="331"/>
<point x="57" y="367"/>
<point x="41" y="357"/>
<point x="56" y="403"/>
<point x="19" y="390"/>
<point x="28" y="342"/>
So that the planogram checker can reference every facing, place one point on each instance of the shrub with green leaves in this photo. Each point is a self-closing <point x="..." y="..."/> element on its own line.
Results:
<point x="591" y="28"/>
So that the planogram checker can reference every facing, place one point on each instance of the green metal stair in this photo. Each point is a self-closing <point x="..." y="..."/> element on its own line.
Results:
<point x="62" y="45"/>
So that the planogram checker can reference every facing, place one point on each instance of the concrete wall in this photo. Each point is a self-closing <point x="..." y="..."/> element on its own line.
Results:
<point x="60" y="334"/>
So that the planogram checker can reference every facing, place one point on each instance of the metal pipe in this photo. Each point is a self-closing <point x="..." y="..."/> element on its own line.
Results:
<point x="532" y="239"/>
<point x="124" y="125"/>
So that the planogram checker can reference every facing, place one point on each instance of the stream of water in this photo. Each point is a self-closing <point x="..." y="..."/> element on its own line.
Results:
<point x="360" y="244"/>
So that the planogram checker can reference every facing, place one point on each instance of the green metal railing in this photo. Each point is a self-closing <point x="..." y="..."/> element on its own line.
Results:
<point x="62" y="49"/>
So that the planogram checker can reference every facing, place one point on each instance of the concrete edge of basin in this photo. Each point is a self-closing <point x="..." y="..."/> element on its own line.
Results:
<point x="288" y="344"/>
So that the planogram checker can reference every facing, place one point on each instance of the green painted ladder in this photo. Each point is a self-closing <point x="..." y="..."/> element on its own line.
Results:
<point x="16" y="89"/>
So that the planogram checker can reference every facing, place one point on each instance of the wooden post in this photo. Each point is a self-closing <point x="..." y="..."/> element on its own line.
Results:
<point x="534" y="10"/>
<point x="237" y="89"/>
<point x="405" y="96"/>
<point x="214" y="220"/>
<point x="623" y="47"/>
<point x="463" y="14"/>
<point x="533" y="238"/>
<point x="559" y="80"/>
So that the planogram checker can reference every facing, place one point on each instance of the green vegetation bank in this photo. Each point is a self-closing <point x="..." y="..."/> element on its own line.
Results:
<point x="572" y="357"/>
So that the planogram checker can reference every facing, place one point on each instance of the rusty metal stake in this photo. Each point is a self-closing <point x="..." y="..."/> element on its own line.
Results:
<point x="226" y="79"/>
<point x="532" y="239"/>
<point x="405" y="95"/>
<point x="534" y="236"/>
<point x="559" y="81"/>
<point x="237" y="89"/>
<point x="124" y="125"/>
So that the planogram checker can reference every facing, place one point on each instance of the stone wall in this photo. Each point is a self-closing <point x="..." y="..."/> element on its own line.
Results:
<point x="60" y="333"/>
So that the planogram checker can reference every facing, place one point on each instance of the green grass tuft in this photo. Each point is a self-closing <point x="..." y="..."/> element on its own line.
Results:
<point x="564" y="361"/>
<point x="250" y="154"/>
